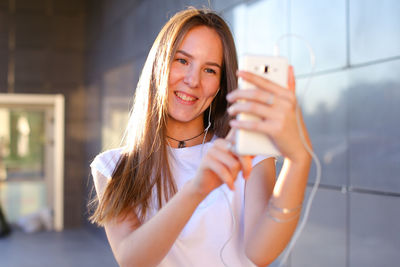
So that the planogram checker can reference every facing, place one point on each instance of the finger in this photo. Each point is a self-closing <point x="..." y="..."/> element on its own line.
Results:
<point x="260" y="110"/>
<point x="224" y="144"/>
<point x="228" y="159"/>
<point x="268" y="127"/>
<point x="261" y="82"/>
<point x="255" y="95"/>
<point x="291" y="79"/>
<point x="262" y="97"/>
<point x="221" y="171"/>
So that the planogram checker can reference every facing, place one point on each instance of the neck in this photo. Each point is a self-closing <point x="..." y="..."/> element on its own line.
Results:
<point x="193" y="130"/>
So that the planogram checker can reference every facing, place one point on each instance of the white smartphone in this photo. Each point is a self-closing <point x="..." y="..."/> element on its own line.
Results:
<point x="276" y="70"/>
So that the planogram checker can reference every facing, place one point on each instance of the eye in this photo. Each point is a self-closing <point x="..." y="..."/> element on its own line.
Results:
<point x="182" y="61"/>
<point x="211" y="71"/>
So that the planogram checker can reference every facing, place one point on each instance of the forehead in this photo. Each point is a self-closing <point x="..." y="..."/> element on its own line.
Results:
<point x="203" y="42"/>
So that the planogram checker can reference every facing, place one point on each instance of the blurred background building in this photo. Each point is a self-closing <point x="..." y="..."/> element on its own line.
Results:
<point x="92" y="52"/>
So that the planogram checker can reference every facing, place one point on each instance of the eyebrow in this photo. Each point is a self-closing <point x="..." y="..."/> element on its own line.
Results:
<point x="190" y="56"/>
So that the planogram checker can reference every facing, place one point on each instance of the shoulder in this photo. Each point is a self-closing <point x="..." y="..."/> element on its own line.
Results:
<point x="106" y="161"/>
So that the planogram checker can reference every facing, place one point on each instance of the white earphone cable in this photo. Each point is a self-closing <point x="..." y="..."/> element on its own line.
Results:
<point x="308" y="148"/>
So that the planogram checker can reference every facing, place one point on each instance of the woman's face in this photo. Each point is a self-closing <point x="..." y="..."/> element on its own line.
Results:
<point x="195" y="74"/>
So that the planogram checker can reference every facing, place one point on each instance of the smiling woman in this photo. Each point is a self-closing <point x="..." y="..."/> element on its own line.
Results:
<point x="193" y="81"/>
<point x="175" y="194"/>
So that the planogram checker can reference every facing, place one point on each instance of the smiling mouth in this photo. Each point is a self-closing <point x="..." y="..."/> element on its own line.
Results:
<point x="185" y="97"/>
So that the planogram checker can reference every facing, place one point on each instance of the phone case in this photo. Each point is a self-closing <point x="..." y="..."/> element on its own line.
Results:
<point x="276" y="70"/>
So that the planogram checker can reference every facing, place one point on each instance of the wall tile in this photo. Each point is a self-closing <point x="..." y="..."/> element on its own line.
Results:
<point x="93" y="23"/>
<point x="4" y="30"/>
<point x="328" y="39"/>
<point x="113" y="11"/>
<point x="3" y="71"/>
<point x="221" y="5"/>
<point x="69" y="7"/>
<point x="32" y="87"/>
<point x="258" y="25"/>
<point x="36" y="6"/>
<point x="30" y="65"/>
<point x="139" y="39"/>
<point x="32" y="31"/>
<point x="326" y="224"/>
<point x="161" y="12"/>
<point x="66" y="67"/>
<point x="374" y="132"/>
<point x="67" y="33"/>
<point x="374" y="30"/>
<point x="4" y="5"/>
<point x="374" y="230"/>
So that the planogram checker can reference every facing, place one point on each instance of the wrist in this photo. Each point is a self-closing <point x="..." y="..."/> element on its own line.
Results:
<point x="301" y="160"/>
<point x="194" y="191"/>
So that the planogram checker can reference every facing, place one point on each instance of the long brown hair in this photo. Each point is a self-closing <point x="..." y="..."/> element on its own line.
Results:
<point x="143" y="168"/>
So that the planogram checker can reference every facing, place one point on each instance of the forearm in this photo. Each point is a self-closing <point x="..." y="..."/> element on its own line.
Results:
<point x="148" y="245"/>
<point x="273" y="231"/>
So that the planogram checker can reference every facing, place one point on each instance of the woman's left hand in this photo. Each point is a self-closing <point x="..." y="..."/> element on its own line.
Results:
<point x="276" y="106"/>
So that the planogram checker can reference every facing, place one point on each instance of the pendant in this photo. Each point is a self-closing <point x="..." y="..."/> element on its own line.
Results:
<point x="181" y="144"/>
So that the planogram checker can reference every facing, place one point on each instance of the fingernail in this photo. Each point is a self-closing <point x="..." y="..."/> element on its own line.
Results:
<point x="229" y="97"/>
<point x="230" y="109"/>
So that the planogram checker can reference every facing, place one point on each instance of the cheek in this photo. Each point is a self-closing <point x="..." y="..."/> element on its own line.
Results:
<point x="172" y="78"/>
<point x="175" y="74"/>
<point x="213" y="86"/>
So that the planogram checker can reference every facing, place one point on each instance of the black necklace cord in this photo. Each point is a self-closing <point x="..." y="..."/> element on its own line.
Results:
<point x="182" y="143"/>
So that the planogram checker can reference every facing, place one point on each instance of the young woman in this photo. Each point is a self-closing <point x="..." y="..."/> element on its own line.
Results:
<point x="176" y="195"/>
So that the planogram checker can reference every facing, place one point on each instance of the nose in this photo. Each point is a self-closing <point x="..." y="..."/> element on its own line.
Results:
<point x="192" y="77"/>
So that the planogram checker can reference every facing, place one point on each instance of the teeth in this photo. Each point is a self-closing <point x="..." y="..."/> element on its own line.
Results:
<point x="185" y="97"/>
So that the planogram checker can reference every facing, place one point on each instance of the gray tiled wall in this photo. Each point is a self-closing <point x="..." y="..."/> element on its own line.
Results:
<point x="351" y="106"/>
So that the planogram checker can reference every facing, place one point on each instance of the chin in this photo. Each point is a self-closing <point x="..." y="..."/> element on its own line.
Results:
<point x="183" y="118"/>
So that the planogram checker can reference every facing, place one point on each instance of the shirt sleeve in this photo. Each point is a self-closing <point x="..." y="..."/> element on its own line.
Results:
<point x="257" y="159"/>
<point x="106" y="162"/>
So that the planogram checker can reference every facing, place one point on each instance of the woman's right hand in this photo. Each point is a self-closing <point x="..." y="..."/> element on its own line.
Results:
<point x="220" y="165"/>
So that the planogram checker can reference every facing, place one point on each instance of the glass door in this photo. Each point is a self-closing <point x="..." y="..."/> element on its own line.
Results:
<point x="30" y="175"/>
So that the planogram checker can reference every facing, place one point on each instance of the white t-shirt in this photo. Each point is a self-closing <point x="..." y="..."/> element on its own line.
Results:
<point x="213" y="235"/>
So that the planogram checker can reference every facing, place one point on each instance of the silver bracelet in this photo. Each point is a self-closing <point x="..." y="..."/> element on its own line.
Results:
<point x="284" y="210"/>
<point x="269" y="215"/>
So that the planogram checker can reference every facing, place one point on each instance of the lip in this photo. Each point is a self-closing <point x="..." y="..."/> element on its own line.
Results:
<point x="185" y="98"/>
